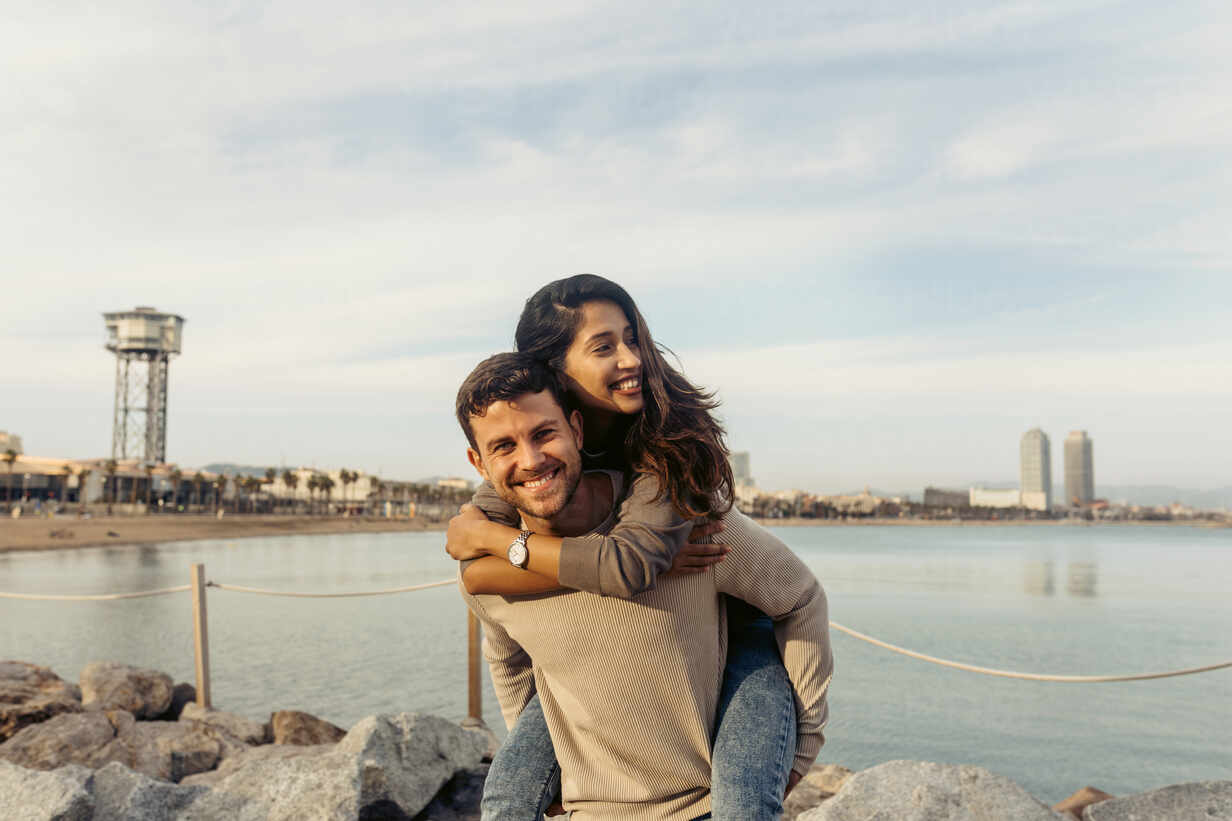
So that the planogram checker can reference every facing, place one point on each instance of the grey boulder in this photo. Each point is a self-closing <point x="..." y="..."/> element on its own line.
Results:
<point x="30" y="694"/>
<point x="32" y="795"/>
<point x="73" y="738"/>
<point x="386" y="766"/>
<point x="1195" y="801"/>
<point x="109" y="686"/>
<point x="121" y="794"/>
<point x="924" y="791"/>
<point x="818" y="784"/>
<point x="459" y="799"/>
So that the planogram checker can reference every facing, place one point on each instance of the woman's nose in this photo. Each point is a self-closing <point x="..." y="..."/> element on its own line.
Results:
<point x="627" y="358"/>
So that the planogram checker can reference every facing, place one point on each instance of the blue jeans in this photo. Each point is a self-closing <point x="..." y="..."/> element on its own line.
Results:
<point x="754" y="741"/>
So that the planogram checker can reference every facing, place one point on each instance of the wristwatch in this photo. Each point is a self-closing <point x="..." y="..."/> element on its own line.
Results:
<point x="519" y="556"/>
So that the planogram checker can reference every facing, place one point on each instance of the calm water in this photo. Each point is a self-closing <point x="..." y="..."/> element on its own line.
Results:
<point x="1078" y="600"/>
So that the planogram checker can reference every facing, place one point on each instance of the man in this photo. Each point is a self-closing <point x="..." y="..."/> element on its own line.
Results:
<point x="628" y="688"/>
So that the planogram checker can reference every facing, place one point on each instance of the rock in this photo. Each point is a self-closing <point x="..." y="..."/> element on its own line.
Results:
<point x="30" y="694"/>
<point x="109" y="686"/>
<point x="73" y="738"/>
<point x="491" y="742"/>
<point x="168" y="750"/>
<point x="294" y="727"/>
<point x="31" y="795"/>
<point x="254" y="756"/>
<point x="459" y="799"/>
<point x="244" y="729"/>
<point x="924" y="791"/>
<point x="181" y="695"/>
<point x="388" y="766"/>
<point x="818" y="784"/>
<point x="1076" y="803"/>
<point x="1195" y="801"/>
<point x="121" y="794"/>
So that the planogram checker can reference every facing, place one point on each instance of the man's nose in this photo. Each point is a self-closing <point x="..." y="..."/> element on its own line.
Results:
<point x="531" y="456"/>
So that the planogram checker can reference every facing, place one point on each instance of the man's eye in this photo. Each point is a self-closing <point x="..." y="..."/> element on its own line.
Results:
<point x="545" y="434"/>
<point x="503" y="447"/>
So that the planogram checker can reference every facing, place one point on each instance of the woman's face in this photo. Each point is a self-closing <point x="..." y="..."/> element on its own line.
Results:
<point x="603" y="366"/>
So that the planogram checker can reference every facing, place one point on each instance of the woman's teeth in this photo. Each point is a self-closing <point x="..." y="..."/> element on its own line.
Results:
<point x="628" y="384"/>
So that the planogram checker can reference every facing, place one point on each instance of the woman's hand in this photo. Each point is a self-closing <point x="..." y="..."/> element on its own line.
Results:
<point x="461" y="540"/>
<point x="699" y="553"/>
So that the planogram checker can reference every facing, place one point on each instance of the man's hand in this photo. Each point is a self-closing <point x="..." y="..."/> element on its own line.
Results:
<point x="792" y="780"/>
<point x="461" y="538"/>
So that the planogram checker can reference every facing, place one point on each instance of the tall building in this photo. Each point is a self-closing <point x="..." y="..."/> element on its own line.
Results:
<point x="1035" y="470"/>
<point x="740" y="468"/>
<point x="1079" y="468"/>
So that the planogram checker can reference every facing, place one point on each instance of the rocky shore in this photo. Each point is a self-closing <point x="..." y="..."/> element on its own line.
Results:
<point x="128" y="743"/>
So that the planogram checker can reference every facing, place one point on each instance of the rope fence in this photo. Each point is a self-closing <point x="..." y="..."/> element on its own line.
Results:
<point x="201" y="642"/>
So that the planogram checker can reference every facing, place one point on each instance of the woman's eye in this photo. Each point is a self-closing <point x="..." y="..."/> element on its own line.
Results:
<point x="602" y="349"/>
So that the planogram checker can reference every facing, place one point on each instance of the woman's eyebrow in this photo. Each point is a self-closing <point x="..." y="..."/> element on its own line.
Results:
<point x="598" y="336"/>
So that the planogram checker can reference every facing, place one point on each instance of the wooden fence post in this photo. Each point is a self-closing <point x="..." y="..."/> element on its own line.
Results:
<point x="475" y="695"/>
<point x="201" y="639"/>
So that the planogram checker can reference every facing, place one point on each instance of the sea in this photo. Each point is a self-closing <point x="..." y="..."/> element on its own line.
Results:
<point x="1058" y="599"/>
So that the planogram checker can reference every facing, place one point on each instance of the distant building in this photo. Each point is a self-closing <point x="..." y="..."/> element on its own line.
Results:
<point x="1079" y="468"/>
<point x="10" y="441"/>
<point x="939" y="497"/>
<point x="1035" y="470"/>
<point x="740" y="468"/>
<point x="984" y="497"/>
<point x="454" y="483"/>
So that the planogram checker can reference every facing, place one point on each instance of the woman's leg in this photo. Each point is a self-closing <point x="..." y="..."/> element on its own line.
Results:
<point x="755" y="726"/>
<point x="524" y="776"/>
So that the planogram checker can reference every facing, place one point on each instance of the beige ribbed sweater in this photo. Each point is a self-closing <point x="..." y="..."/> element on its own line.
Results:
<point x="629" y="687"/>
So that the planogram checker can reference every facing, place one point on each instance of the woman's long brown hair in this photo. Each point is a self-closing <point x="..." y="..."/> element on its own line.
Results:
<point x="675" y="437"/>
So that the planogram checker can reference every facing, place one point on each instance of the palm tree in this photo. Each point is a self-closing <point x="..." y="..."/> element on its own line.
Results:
<point x="313" y="484"/>
<point x="198" y="482"/>
<point x="68" y="471"/>
<point x="291" y="480"/>
<point x="220" y="487"/>
<point x="377" y="490"/>
<point x="111" y="466"/>
<point x="176" y="476"/>
<point x="253" y="486"/>
<point x="326" y="485"/>
<point x="149" y="484"/>
<point x="346" y="477"/>
<point x="10" y="456"/>
<point x="81" y="488"/>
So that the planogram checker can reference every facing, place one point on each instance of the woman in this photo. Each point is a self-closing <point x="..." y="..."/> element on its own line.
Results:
<point x="640" y="416"/>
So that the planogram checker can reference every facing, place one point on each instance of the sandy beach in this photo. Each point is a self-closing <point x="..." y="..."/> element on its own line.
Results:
<point x="67" y="531"/>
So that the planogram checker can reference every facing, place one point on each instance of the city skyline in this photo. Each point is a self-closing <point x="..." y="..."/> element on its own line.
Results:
<point x="890" y="238"/>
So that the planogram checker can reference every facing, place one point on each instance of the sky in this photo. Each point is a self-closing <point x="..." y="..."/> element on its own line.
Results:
<point x="892" y="236"/>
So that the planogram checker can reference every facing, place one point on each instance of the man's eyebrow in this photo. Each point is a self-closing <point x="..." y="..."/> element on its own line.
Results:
<point x="546" y="423"/>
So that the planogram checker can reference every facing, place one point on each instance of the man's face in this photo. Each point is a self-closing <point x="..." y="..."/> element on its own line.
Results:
<point x="530" y="453"/>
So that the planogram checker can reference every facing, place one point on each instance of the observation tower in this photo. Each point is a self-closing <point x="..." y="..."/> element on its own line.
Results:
<point x="143" y="340"/>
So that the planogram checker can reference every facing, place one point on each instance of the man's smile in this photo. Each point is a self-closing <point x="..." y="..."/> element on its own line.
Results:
<point x="542" y="480"/>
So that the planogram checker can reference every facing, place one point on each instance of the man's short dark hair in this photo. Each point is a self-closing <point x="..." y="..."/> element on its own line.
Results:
<point x="505" y="377"/>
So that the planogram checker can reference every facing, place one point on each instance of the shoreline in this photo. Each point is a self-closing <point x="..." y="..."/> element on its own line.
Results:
<point x="68" y="532"/>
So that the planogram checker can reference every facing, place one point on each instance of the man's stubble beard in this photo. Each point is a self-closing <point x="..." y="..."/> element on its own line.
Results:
<point x="573" y="478"/>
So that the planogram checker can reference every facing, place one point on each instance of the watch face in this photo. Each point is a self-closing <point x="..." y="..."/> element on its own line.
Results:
<point x="518" y="555"/>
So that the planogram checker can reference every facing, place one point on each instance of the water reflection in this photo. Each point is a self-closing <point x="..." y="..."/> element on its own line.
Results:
<point x="1038" y="578"/>
<point x="1081" y="579"/>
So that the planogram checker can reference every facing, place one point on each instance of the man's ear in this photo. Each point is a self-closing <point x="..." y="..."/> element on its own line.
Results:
<point x="473" y="457"/>
<point x="575" y="424"/>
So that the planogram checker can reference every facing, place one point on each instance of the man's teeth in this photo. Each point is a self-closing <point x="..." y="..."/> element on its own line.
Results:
<point x="629" y="384"/>
<point x="540" y="482"/>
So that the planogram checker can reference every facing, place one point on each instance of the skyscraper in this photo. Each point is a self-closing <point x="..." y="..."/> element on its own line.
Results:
<point x="1079" y="468"/>
<point x="1035" y="470"/>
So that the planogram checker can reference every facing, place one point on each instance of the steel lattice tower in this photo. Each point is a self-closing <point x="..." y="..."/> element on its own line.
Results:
<point x="143" y="341"/>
